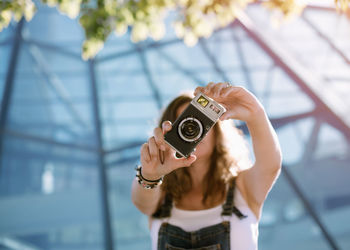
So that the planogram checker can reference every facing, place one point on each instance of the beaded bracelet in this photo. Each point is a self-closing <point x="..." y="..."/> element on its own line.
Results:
<point x="143" y="181"/>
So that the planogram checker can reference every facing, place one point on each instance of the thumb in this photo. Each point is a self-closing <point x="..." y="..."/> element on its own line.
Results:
<point x="225" y="116"/>
<point x="188" y="161"/>
<point x="228" y="115"/>
<point x="166" y="126"/>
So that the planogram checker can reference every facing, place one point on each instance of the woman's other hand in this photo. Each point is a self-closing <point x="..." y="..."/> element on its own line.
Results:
<point x="158" y="158"/>
<point x="240" y="104"/>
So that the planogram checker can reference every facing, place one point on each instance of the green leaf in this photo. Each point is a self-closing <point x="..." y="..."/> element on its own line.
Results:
<point x="91" y="47"/>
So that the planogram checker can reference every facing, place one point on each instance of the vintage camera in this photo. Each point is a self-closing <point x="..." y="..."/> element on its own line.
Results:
<point x="193" y="124"/>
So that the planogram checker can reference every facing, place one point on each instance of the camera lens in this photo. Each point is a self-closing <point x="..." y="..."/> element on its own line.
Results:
<point x="190" y="129"/>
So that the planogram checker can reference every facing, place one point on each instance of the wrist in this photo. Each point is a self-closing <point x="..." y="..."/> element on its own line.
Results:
<point x="147" y="183"/>
<point x="149" y="177"/>
<point x="256" y="118"/>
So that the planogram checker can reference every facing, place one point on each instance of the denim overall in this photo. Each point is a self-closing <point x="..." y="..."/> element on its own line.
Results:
<point x="208" y="238"/>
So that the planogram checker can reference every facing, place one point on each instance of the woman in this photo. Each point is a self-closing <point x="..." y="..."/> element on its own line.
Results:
<point x="209" y="200"/>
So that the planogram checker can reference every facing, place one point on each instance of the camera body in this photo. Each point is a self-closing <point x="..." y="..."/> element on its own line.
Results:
<point x="193" y="124"/>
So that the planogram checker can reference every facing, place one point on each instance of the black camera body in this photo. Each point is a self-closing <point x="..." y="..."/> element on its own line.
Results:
<point x="193" y="124"/>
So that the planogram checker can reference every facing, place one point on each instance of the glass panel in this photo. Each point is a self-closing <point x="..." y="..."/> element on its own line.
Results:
<point x="45" y="191"/>
<point x="293" y="142"/>
<point x="330" y="136"/>
<point x="5" y="52"/>
<point x="7" y="33"/>
<point x="48" y="101"/>
<point x="172" y="82"/>
<point x="50" y="27"/>
<point x="126" y="101"/>
<point x="323" y="176"/>
<point x="317" y="45"/>
<point x="224" y="48"/>
<point x="334" y="26"/>
<point x="127" y="218"/>
<point x="185" y="56"/>
<point x="285" y="221"/>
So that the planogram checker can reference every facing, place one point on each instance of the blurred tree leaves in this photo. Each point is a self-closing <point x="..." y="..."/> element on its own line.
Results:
<point x="342" y="4"/>
<point x="16" y="10"/>
<point x="99" y="18"/>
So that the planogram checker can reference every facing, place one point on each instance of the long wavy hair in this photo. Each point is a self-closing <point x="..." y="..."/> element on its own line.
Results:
<point x="230" y="156"/>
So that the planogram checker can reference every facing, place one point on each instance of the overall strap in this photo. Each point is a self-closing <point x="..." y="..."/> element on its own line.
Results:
<point x="228" y="208"/>
<point x="164" y="210"/>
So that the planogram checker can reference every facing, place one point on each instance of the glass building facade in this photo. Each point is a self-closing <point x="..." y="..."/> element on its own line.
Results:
<point x="71" y="130"/>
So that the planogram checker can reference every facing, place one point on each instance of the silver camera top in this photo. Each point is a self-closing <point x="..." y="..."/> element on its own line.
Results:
<point x="208" y="106"/>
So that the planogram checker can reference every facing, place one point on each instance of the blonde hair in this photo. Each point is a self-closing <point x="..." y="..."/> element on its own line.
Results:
<point x="230" y="156"/>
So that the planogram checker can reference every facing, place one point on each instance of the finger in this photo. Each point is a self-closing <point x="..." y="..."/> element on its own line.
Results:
<point x="230" y="90"/>
<point x="185" y="162"/>
<point x="166" y="126"/>
<point x="159" y="137"/>
<point x="238" y="89"/>
<point x="197" y="90"/>
<point x="153" y="148"/>
<point x="218" y="87"/>
<point x="208" y="87"/>
<point x="223" y="117"/>
<point x="225" y="91"/>
<point x="226" y="116"/>
<point x="145" y="152"/>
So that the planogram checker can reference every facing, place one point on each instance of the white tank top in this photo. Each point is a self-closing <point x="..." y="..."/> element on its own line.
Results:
<point x="243" y="232"/>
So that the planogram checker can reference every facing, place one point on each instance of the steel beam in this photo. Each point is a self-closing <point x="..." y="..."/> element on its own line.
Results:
<point x="106" y="217"/>
<point x="9" y="82"/>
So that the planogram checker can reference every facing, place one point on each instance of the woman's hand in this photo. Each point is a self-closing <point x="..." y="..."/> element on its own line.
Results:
<point x="240" y="104"/>
<point x="256" y="182"/>
<point x="158" y="158"/>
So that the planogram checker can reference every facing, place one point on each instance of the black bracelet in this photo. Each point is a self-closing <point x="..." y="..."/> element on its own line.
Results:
<point x="141" y="180"/>
<point x="139" y="169"/>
